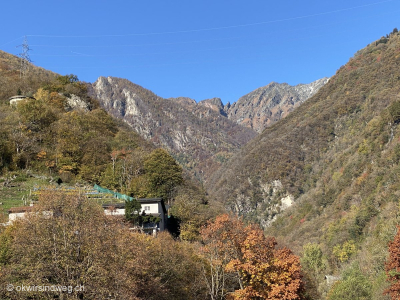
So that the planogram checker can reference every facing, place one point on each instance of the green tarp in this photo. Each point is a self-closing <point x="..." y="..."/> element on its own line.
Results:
<point x="116" y="195"/>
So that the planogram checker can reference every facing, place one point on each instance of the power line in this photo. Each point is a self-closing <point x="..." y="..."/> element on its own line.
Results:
<point x="206" y="40"/>
<point x="11" y="41"/>
<point x="137" y="45"/>
<point x="24" y="57"/>
<point x="215" y="28"/>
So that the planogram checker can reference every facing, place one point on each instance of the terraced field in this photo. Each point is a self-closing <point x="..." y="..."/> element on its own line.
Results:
<point x="20" y="189"/>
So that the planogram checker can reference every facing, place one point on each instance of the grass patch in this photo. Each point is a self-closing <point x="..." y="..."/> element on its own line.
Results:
<point x="15" y="190"/>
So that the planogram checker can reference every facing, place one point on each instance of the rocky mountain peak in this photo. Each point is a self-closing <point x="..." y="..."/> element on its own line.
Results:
<point x="267" y="105"/>
<point x="197" y="134"/>
<point x="183" y="100"/>
<point x="215" y="104"/>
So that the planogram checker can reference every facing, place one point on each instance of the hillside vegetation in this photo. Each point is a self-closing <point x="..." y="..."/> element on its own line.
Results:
<point x="337" y="158"/>
<point x="11" y="81"/>
<point x="61" y="133"/>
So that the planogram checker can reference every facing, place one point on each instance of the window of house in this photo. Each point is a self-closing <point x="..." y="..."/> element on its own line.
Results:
<point x="147" y="208"/>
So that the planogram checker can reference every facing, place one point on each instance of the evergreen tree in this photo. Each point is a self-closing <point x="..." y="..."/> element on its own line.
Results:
<point x="163" y="172"/>
<point x="132" y="211"/>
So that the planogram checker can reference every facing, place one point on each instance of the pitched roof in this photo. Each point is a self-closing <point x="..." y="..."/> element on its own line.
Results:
<point x="149" y="200"/>
<point x="20" y="209"/>
<point x="114" y="205"/>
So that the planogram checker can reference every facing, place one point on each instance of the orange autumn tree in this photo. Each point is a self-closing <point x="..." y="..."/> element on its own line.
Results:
<point x="260" y="270"/>
<point x="393" y="267"/>
<point x="222" y="239"/>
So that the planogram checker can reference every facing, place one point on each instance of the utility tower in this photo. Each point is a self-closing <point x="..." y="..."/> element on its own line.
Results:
<point x="25" y="59"/>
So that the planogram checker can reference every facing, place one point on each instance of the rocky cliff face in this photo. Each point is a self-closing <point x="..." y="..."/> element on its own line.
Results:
<point x="267" y="105"/>
<point x="199" y="135"/>
<point x="215" y="104"/>
<point x="203" y="135"/>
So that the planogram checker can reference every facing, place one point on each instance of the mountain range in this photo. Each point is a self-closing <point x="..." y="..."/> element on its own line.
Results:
<point x="267" y="105"/>
<point x="204" y="135"/>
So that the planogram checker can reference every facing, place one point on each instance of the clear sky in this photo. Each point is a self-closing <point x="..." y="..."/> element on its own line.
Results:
<point x="197" y="49"/>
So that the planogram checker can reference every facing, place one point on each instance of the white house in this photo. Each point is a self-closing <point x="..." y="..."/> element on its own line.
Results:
<point x="149" y="206"/>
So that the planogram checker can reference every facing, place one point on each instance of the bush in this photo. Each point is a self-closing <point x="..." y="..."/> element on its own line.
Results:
<point x="343" y="252"/>
<point x="353" y="286"/>
<point x="312" y="257"/>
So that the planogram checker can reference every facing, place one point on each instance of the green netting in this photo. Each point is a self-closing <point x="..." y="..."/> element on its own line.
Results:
<point x="115" y="194"/>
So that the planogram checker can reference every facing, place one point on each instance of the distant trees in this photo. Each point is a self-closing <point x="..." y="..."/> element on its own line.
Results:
<point x="6" y="147"/>
<point x="354" y="285"/>
<point x="393" y="113"/>
<point x="67" y="85"/>
<point x="37" y="115"/>
<point x="70" y="142"/>
<point x="191" y="207"/>
<point x="312" y="257"/>
<point x="83" y="139"/>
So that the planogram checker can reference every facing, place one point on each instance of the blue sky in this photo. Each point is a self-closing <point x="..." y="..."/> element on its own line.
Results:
<point x="197" y="49"/>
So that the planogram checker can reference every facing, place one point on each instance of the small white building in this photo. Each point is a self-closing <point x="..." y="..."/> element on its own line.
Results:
<point x="15" y="99"/>
<point x="15" y="213"/>
<point x="149" y="206"/>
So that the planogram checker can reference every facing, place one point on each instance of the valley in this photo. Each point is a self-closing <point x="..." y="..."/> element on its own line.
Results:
<point x="307" y="175"/>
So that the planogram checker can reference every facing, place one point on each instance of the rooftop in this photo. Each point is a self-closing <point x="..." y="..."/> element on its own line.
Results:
<point x="20" y="209"/>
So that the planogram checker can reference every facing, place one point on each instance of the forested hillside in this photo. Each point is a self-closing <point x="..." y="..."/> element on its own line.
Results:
<point x="61" y="133"/>
<point x="11" y="80"/>
<point x="325" y="180"/>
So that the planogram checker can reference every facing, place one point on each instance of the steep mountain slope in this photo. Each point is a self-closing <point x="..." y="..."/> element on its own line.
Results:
<point x="267" y="105"/>
<point x="327" y="174"/>
<point x="198" y="135"/>
<point x="11" y="81"/>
